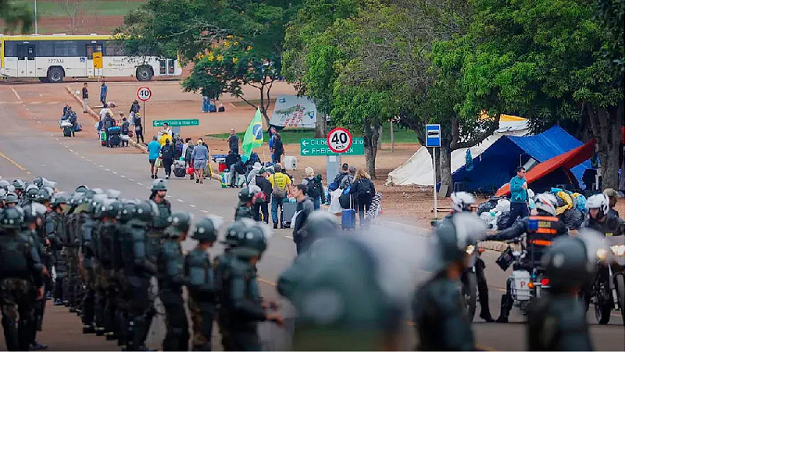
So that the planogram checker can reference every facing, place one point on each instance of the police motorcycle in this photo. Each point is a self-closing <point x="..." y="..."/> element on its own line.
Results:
<point x="524" y="284"/>
<point x="461" y="201"/>
<point x="608" y="291"/>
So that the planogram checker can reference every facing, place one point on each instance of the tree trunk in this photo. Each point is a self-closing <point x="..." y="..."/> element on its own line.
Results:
<point x="371" y="137"/>
<point x="380" y="136"/>
<point x="320" y="125"/>
<point x="445" y="175"/>
<point x="606" y="127"/>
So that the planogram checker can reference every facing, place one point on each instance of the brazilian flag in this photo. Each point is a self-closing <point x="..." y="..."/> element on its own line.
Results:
<point x="254" y="136"/>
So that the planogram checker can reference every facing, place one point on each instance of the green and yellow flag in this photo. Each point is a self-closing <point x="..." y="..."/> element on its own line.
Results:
<point x="254" y="136"/>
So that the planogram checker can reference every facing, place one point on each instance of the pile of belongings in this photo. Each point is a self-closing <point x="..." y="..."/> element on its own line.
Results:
<point x="571" y="209"/>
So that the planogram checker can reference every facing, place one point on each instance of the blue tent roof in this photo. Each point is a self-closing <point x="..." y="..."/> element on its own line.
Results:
<point x="497" y="164"/>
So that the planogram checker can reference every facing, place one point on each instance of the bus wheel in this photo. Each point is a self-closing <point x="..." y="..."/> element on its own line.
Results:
<point x="144" y="73"/>
<point x="55" y="75"/>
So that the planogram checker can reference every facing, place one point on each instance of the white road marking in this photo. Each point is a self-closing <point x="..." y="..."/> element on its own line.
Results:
<point x="107" y="170"/>
<point x="193" y="206"/>
<point x="204" y="211"/>
<point x="179" y="200"/>
<point x="131" y="179"/>
<point x="115" y="173"/>
<point x="100" y="165"/>
<point x="15" y="93"/>
<point x="140" y="184"/>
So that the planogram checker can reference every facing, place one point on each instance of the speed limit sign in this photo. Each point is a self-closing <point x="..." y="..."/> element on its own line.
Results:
<point x="339" y="140"/>
<point x="144" y="93"/>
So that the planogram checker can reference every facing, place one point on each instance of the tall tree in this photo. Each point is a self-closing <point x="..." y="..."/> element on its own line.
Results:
<point x="75" y="12"/>
<point x="253" y="31"/>
<point x="554" y="60"/>
<point x="16" y="16"/>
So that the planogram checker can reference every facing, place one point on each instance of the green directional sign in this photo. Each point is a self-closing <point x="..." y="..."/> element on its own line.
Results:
<point x="177" y="122"/>
<point x="319" y="147"/>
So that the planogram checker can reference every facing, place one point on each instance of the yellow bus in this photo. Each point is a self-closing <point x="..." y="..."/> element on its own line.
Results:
<point x="51" y="58"/>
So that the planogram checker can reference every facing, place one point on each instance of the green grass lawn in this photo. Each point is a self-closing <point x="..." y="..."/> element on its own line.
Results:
<point x="90" y="7"/>
<point x="295" y="136"/>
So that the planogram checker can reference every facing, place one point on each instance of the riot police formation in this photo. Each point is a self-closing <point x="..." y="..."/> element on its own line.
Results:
<point x="108" y="259"/>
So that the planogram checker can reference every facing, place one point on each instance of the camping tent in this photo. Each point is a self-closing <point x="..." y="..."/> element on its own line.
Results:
<point x="560" y="164"/>
<point x="419" y="168"/>
<point x="494" y="167"/>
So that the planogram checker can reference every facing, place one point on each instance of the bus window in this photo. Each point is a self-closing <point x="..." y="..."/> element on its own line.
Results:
<point x="45" y="48"/>
<point x="162" y="66"/>
<point x="66" y="48"/>
<point x="171" y="66"/>
<point x="26" y="51"/>
<point x="89" y="50"/>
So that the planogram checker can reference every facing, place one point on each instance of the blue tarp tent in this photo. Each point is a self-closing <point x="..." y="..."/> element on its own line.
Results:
<point x="497" y="164"/>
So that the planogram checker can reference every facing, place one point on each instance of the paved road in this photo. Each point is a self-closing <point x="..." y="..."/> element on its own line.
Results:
<point x="31" y="145"/>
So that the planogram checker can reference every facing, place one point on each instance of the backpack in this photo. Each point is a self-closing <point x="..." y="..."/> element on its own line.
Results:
<point x="13" y="252"/>
<point x="167" y="151"/>
<point x="277" y="191"/>
<point x="314" y="188"/>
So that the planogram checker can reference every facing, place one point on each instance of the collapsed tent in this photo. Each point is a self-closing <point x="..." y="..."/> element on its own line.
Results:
<point x="419" y="168"/>
<point x="563" y="164"/>
<point x="498" y="164"/>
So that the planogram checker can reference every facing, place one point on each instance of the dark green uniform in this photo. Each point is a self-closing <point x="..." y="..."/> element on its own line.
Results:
<point x="170" y="276"/>
<point x="55" y="228"/>
<point x="109" y="260"/>
<point x="20" y="272"/>
<point x="138" y="270"/>
<point x="240" y="307"/>
<point x="439" y="321"/>
<point x="199" y="272"/>
<point x="72" y="281"/>
<point x="558" y="323"/>
<point x="38" y="303"/>
<point x="243" y="211"/>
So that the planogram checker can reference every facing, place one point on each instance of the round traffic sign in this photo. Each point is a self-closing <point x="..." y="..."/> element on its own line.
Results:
<point x="339" y="140"/>
<point x="144" y="93"/>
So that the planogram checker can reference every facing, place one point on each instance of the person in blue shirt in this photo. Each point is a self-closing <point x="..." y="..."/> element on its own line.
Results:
<point x="103" y="94"/>
<point x="519" y="196"/>
<point x="153" y="150"/>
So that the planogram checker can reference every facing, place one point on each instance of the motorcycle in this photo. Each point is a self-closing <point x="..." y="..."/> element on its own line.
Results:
<point x="608" y="291"/>
<point x="470" y="280"/>
<point x="523" y="285"/>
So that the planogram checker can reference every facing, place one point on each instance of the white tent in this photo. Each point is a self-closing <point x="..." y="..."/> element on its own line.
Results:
<point x="419" y="168"/>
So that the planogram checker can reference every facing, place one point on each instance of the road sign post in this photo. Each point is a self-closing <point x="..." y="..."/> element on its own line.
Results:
<point x="433" y="139"/>
<point x="339" y="140"/>
<point x="144" y="93"/>
<point x="176" y="124"/>
<point x="333" y="159"/>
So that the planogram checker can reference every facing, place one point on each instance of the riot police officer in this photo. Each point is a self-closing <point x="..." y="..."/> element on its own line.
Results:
<point x="139" y="269"/>
<point x="20" y="273"/>
<point x="56" y="235"/>
<point x="540" y="228"/>
<point x="11" y="200"/>
<point x="158" y="194"/>
<point x="336" y="313"/>
<point x="199" y="274"/>
<point x="171" y="281"/>
<point x="557" y="320"/>
<point x="32" y="222"/>
<point x="241" y="307"/>
<point x="247" y="199"/>
<point x="436" y="308"/>
<point x="110" y="261"/>
<point x="103" y="215"/>
<point x="71" y="246"/>
<point x="88" y="223"/>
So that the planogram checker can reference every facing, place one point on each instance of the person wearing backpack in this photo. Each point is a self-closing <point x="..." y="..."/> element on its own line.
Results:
<point x="167" y="156"/>
<point x="314" y="184"/>
<point x="280" y="183"/>
<point x="277" y="148"/>
<point x="362" y="191"/>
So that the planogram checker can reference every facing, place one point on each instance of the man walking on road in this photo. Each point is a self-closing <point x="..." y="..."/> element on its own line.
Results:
<point x="85" y="97"/>
<point x="153" y="150"/>
<point x="103" y="94"/>
<point x="280" y="185"/>
<point x="199" y="161"/>
<point x="305" y="206"/>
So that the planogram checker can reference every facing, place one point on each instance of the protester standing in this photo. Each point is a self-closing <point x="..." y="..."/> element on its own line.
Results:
<point x="519" y="196"/>
<point x="135" y="107"/>
<point x="167" y="155"/>
<point x="280" y="183"/>
<point x="304" y="208"/>
<point x="137" y="127"/>
<point x="231" y="161"/>
<point x="103" y="94"/>
<point x="85" y="96"/>
<point x="233" y="142"/>
<point x="262" y="209"/>
<point x="277" y="151"/>
<point x="200" y="159"/>
<point x="314" y="184"/>
<point x="126" y="128"/>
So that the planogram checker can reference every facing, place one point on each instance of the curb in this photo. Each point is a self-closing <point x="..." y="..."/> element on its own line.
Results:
<point x="96" y="116"/>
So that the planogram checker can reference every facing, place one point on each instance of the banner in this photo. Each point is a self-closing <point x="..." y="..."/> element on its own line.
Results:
<point x="253" y="137"/>
<point x="292" y="111"/>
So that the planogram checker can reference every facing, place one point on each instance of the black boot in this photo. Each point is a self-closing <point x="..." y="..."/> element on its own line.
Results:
<point x="37" y="346"/>
<point x="11" y="334"/>
<point x="506" y="303"/>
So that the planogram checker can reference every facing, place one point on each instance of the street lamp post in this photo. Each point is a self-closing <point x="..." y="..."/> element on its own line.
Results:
<point x="35" y="19"/>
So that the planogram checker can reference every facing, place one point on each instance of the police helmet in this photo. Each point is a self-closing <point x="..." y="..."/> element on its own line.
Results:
<point x="5" y="184"/>
<point x="113" y="194"/>
<point x="82" y="188"/>
<point x="38" y="181"/>
<point x="61" y="198"/>
<point x="11" y="218"/>
<point x="179" y="223"/>
<point x="252" y="241"/>
<point x="31" y="192"/>
<point x="599" y="202"/>
<point x="96" y="207"/>
<point x="456" y="238"/>
<point x="232" y="233"/>
<point x="571" y="262"/>
<point x="44" y="196"/>
<point x="245" y="194"/>
<point x="461" y="201"/>
<point x="205" y="230"/>
<point x="3" y="193"/>
<point x="126" y="212"/>
<point x="144" y="212"/>
<point x="18" y="184"/>
<point x="11" y="197"/>
<point x="158" y="185"/>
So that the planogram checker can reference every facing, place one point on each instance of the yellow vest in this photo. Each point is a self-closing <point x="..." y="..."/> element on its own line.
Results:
<point x="279" y="180"/>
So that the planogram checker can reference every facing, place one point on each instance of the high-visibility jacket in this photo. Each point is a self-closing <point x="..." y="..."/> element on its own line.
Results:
<point x="541" y="232"/>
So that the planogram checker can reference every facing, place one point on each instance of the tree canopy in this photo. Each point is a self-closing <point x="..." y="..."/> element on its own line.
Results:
<point x="16" y="17"/>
